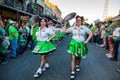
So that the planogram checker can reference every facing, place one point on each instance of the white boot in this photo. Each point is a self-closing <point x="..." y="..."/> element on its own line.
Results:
<point x="38" y="73"/>
<point x="46" y="66"/>
<point x="77" y="68"/>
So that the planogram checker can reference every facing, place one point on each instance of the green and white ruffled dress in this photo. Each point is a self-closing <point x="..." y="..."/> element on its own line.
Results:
<point x="77" y="46"/>
<point x="43" y="47"/>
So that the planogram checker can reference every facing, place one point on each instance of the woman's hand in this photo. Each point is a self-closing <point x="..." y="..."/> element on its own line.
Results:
<point x="47" y="40"/>
<point x="32" y="25"/>
<point x="85" y="42"/>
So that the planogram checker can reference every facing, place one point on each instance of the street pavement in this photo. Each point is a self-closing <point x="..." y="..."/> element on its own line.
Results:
<point x="94" y="67"/>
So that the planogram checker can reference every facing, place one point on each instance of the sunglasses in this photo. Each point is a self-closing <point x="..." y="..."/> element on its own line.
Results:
<point x="78" y="20"/>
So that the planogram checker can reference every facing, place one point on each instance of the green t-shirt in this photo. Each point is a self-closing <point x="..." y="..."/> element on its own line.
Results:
<point x="3" y="48"/>
<point x="35" y="29"/>
<point x="11" y="30"/>
<point x="92" y="29"/>
<point x="110" y="26"/>
<point x="2" y="32"/>
<point x="22" y="41"/>
<point x="107" y="32"/>
<point x="116" y="39"/>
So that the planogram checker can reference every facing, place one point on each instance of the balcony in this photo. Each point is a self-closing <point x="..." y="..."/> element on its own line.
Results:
<point x="20" y="5"/>
<point x="24" y="8"/>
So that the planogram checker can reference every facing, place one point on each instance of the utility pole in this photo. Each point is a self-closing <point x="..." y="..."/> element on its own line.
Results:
<point x="105" y="12"/>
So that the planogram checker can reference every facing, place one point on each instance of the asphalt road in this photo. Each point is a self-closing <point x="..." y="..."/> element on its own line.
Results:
<point x="95" y="67"/>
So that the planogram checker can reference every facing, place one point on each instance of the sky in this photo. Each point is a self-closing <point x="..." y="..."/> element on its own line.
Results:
<point x="90" y="9"/>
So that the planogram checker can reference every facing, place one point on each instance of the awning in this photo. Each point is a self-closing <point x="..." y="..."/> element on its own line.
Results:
<point x="115" y="18"/>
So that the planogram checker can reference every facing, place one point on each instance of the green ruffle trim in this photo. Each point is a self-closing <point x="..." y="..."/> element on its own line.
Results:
<point x="79" y="49"/>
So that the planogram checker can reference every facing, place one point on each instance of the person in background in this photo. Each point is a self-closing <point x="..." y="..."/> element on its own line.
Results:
<point x="28" y="35"/>
<point x="23" y="38"/>
<point x="22" y="43"/>
<point x="102" y="34"/>
<point x="108" y="27"/>
<point x="3" y="44"/>
<point x="13" y="37"/>
<point x="52" y="28"/>
<point x="2" y="31"/>
<point x="22" y="30"/>
<point x="3" y="50"/>
<point x="27" y="29"/>
<point x="110" y="40"/>
<point x="57" y="31"/>
<point x="33" y="34"/>
<point x="96" y="35"/>
<point x="92" y="29"/>
<point x="116" y="39"/>
<point x="7" y="25"/>
<point x="62" y="34"/>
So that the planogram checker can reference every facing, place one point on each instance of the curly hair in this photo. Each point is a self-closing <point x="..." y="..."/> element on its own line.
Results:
<point x="82" y="18"/>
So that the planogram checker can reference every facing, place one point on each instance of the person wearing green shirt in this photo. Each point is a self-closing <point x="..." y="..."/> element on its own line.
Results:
<point x="22" y="44"/>
<point x="2" y="31"/>
<point x="92" y="29"/>
<point x="3" y="50"/>
<point x="33" y="34"/>
<point x="13" y="37"/>
<point x="107" y="33"/>
<point x="116" y="39"/>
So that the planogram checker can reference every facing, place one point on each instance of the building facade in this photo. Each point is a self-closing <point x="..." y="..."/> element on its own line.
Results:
<point x="23" y="9"/>
<point x="56" y="11"/>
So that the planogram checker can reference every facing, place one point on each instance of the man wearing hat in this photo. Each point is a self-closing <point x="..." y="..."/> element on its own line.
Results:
<point x="13" y="37"/>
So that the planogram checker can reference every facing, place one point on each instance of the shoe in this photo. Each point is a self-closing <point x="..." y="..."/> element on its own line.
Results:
<point x="46" y="67"/>
<point x="77" y="68"/>
<point x="72" y="75"/>
<point x="4" y="62"/>
<point x="102" y="45"/>
<point x="38" y="73"/>
<point x="113" y="59"/>
<point x="118" y="70"/>
<point x="97" y="44"/>
<point x="109" y="56"/>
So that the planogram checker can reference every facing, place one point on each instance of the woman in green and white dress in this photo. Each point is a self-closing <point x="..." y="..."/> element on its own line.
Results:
<point x="43" y="45"/>
<point x="77" y="46"/>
